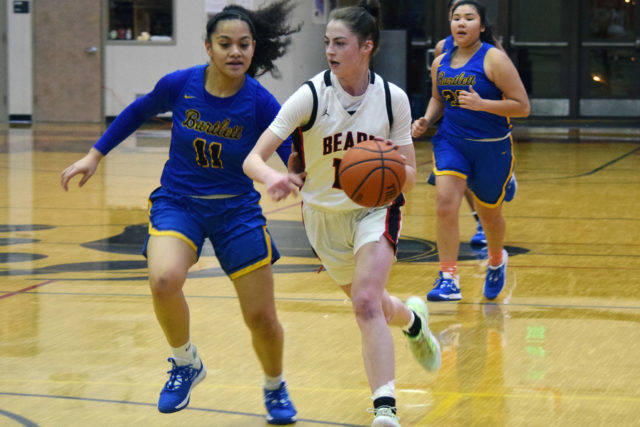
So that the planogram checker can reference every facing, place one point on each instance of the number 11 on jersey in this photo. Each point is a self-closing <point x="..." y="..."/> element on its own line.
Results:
<point x="214" y="151"/>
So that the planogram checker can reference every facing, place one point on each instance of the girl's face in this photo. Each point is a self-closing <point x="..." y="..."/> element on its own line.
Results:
<point x="231" y="48"/>
<point x="465" y="25"/>
<point x="345" y="54"/>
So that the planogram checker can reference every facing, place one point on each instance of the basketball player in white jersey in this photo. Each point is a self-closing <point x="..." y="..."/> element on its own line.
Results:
<point x="327" y="115"/>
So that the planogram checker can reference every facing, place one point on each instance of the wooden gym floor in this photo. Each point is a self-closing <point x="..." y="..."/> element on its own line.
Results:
<point x="79" y="344"/>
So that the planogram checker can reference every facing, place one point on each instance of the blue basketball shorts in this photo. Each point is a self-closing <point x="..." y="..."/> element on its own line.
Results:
<point x="486" y="165"/>
<point x="235" y="225"/>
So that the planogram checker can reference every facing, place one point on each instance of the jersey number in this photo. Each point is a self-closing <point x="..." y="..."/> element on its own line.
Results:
<point x="451" y="97"/>
<point x="336" y="179"/>
<point x="200" y="145"/>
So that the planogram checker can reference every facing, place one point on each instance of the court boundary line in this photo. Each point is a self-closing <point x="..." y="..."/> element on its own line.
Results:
<point x="189" y="408"/>
<point x="593" y="171"/>
<point x="609" y="163"/>
<point x="28" y="288"/>
<point x="479" y="303"/>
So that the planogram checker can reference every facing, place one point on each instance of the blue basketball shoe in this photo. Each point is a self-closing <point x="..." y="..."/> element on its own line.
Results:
<point x="280" y="410"/>
<point x="479" y="239"/>
<point x="510" y="189"/>
<point x="445" y="288"/>
<point x="496" y="277"/>
<point x="177" y="391"/>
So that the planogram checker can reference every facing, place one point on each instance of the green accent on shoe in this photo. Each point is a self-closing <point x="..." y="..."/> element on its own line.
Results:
<point x="384" y="416"/>
<point x="424" y="346"/>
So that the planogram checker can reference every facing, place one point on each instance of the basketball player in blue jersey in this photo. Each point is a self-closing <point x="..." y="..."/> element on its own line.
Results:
<point x="219" y="111"/>
<point x="477" y="88"/>
<point x="478" y="239"/>
<point x="330" y="113"/>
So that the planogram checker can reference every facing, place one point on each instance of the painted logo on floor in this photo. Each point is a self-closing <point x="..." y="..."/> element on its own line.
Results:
<point x="289" y="236"/>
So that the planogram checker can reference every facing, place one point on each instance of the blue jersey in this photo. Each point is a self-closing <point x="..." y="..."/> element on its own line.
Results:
<point x="210" y="136"/>
<point x="461" y="122"/>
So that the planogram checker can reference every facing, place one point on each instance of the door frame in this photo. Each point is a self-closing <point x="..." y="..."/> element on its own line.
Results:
<point x="4" y="64"/>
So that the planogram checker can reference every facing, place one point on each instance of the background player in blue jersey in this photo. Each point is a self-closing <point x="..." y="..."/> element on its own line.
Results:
<point x="443" y="46"/>
<point x="219" y="111"/>
<point x="477" y="88"/>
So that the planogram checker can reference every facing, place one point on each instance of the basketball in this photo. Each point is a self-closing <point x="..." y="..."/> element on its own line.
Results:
<point x="371" y="173"/>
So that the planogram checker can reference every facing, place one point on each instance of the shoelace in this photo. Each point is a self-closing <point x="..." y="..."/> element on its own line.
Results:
<point x="443" y="283"/>
<point x="178" y="375"/>
<point x="383" y="410"/>
<point x="278" y="396"/>
<point x="494" y="275"/>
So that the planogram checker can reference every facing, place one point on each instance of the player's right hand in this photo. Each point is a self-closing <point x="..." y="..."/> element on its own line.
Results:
<point x="419" y="127"/>
<point x="280" y="185"/>
<point x="86" y="166"/>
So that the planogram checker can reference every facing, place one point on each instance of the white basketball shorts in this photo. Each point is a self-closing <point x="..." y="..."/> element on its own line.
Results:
<point x="337" y="236"/>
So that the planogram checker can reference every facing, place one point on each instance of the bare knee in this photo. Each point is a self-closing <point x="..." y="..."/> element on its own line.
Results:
<point x="446" y="206"/>
<point x="366" y="306"/>
<point x="166" y="283"/>
<point x="262" y="321"/>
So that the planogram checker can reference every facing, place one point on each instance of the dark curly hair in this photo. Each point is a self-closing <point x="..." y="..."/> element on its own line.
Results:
<point x="269" y="28"/>
<point x="363" y="20"/>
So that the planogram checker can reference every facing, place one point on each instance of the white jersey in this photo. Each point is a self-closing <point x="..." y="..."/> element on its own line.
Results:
<point x="327" y="131"/>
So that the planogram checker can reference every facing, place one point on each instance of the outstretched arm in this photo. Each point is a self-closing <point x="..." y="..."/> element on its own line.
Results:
<point x="279" y="185"/>
<point x="131" y="118"/>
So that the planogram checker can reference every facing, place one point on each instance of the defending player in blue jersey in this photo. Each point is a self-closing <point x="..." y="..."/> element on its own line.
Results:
<point x="477" y="88"/>
<point x="219" y="111"/>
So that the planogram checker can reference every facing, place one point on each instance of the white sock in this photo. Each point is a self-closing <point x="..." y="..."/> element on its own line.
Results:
<point x="272" y="383"/>
<point x="410" y="324"/>
<point x="389" y="389"/>
<point x="185" y="354"/>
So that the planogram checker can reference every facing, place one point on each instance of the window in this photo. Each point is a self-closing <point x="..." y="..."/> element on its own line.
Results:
<point x="141" y="20"/>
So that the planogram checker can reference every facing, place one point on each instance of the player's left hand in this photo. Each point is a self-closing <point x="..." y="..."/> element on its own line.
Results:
<point x="294" y="164"/>
<point x="295" y="170"/>
<point x="470" y="100"/>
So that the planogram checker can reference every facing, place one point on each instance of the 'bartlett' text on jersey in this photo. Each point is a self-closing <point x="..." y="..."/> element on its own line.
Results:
<point x="462" y="122"/>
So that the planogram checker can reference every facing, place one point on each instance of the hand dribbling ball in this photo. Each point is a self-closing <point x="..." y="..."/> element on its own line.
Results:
<point x="372" y="173"/>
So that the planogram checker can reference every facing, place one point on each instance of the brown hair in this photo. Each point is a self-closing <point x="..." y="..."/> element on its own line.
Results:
<point x="362" y="20"/>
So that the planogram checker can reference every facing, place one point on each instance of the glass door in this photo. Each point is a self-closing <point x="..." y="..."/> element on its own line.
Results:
<point x="541" y="49"/>
<point x="420" y="37"/>
<point x="610" y="59"/>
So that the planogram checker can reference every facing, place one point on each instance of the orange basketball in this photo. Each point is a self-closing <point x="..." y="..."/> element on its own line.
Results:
<point x="371" y="173"/>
